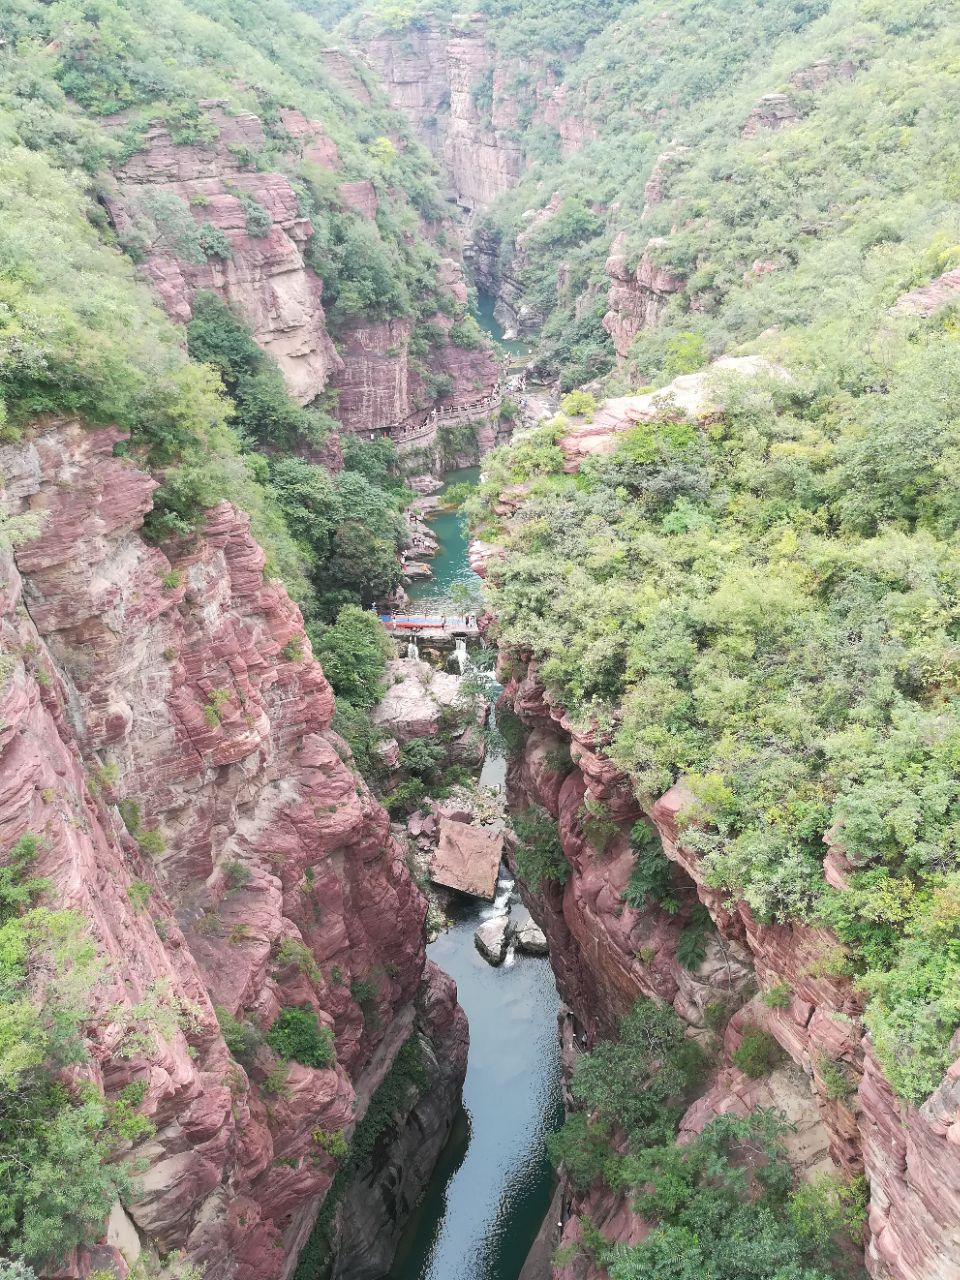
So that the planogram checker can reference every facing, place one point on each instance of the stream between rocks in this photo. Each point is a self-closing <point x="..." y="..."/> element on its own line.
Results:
<point x="492" y="1185"/>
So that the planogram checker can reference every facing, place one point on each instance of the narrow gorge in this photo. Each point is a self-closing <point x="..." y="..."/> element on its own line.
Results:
<point x="479" y="705"/>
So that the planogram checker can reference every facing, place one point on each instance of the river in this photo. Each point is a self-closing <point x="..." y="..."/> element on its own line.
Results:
<point x="492" y="1185"/>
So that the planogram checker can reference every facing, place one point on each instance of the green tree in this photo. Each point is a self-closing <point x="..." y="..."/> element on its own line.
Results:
<point x="354" y="651"/>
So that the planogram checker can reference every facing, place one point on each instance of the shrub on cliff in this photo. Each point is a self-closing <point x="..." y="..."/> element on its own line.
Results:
<point x="725" y="1207"/>
<point x="538" y="852"/>
<point x="57" y="1140"/>
<point x="641" y="1081"/>
<point x="296" y="1035"/>
<point x="354" y="652"/>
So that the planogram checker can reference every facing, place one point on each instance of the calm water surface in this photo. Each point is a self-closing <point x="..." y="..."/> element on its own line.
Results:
<point x="450" y="565"/>
<point x="483" y="314"/>
<point x="492" y="1187"/>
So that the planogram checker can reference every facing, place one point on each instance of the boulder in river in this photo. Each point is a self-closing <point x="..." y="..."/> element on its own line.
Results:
<point x="467" y="858"/>
<point x="531" y="940"/>
<point x="492" y="937"/>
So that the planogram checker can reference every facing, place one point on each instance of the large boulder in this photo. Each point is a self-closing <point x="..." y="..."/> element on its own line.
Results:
<point x="414" y="702"/>
<point x="467" y="858"/>
<point x="531" y="940"/>
<point x="491" y="939"/>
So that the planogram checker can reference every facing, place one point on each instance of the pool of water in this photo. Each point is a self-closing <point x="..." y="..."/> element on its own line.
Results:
<point x="492" y="1186"/>
<point x="450" y="566"/>
<point x="483" y="314"/>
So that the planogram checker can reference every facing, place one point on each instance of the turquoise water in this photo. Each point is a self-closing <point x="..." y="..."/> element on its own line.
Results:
<point x="483" y="314"/>
<point x="450" y="565"/>
<point x="492" y="1187"/>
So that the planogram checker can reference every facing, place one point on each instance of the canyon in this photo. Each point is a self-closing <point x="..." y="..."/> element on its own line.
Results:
<point x="174" y="751"/>
<point x="277" y="883"/>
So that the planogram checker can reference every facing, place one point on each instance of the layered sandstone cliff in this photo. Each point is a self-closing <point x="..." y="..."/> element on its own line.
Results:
<point x="169" y="192"/>
<point x="166" y="733"/>
<point x="471" y="103"/>
<point x="265" y="276"/>
<point x="606" y="953"/>
<point x="638" y="295"/>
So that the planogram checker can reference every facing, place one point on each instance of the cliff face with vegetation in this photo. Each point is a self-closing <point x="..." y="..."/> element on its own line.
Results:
<point x="681" y="837"/>
<point x="167" y="743"/>
<point x="217" y="1005"/>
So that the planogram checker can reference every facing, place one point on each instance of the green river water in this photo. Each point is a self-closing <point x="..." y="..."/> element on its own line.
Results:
<point x="492" y="1186"/>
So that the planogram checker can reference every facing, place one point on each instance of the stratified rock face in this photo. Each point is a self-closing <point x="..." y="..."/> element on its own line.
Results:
<point x="386" y="1192"/>
<point x="483" y="160"/>
<point x="265" y="276"/>
<point x="637" y="298"/>
<point x="380" y="386"/>
<point x="414" y="69"/>
<point x="606" y="954"/>
<point x="184" y="687"/>
<point x="912" y="1159"/>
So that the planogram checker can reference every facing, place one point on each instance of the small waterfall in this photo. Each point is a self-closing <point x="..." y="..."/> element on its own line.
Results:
<point x="459" y="655"/>
<point x="413" y="652"/>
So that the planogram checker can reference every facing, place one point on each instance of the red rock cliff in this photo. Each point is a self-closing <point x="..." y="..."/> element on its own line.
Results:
<point x="166" y="188"/>
<point x="183" y="686"/>
<point x="606" y="954"/>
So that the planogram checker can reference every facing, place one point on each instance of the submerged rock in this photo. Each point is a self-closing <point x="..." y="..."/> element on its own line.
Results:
<point x="531" y="940"/>
<point x="491" y="939"/>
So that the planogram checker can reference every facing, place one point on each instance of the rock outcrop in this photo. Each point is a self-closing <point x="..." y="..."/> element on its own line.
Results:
<point x="637" y="297"/>
<point x="423" y="703"/>
<point x="166" y="733"/>
<point x="927" y="299"/>
<point x="694" y="395"/>
<point x="774" y="111"/>
<point x="167" y="186"/>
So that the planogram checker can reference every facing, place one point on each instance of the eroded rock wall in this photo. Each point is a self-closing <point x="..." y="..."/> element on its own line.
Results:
<point x="182" y="685"/>
<point x="265" y="277"/>
<point x="606" y="954"/>
<point x="167" y="187"/>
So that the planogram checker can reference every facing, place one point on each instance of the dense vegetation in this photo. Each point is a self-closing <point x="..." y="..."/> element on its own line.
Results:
<point x="726" y="1204"/>
<point x="764" y="608"/>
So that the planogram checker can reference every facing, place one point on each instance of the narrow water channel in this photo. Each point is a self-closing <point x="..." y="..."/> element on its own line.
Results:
<point x="492" y="1185"/>
<point x="450" y="565"/>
